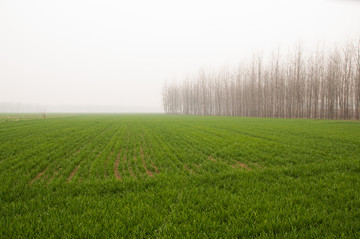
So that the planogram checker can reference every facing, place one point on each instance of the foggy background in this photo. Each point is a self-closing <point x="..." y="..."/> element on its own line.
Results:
<point x="114" y="56"/>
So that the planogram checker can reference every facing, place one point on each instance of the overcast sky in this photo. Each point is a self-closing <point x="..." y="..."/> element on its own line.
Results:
<point x="73" y="53"/>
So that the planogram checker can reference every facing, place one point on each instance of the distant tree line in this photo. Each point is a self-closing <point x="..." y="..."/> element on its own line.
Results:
<point x="323" y="85"/>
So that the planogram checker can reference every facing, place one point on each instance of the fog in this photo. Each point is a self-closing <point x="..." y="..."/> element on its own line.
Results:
<point x="114" y="56"/>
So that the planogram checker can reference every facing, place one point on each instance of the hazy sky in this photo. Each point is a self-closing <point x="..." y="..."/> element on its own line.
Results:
<point x="120" y="52"/>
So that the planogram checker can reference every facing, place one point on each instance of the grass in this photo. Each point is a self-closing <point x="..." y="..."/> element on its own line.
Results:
<point x="149" y="176"/>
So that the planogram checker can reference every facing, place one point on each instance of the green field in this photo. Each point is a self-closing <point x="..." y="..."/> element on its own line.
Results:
<point x="178" y="176"/>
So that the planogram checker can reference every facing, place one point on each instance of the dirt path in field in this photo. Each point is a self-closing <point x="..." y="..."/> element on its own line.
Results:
<point x="72" y="174"/>
<point x="242" y="165"/>
<point x="38" y="176"/>
<point x="116" y="172"/>
<point x="149" y="173"/>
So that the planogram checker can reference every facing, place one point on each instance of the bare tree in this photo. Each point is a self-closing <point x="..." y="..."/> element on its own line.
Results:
<point x="318" y="85"/>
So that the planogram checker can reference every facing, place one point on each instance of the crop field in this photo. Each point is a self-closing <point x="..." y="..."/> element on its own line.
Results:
<point x="125" y="176"/>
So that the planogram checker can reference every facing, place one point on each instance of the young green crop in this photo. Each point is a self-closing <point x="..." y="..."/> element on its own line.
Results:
<point x="79" y="176"/>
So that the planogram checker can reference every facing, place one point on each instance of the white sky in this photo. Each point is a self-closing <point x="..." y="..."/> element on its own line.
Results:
<point x="71" y="52"/>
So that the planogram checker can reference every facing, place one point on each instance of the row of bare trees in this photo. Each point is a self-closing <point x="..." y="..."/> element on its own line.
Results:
<point x="300" y="85"/>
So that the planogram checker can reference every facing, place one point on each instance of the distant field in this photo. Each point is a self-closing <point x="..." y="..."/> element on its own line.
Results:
<point x="178" y="176"/>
